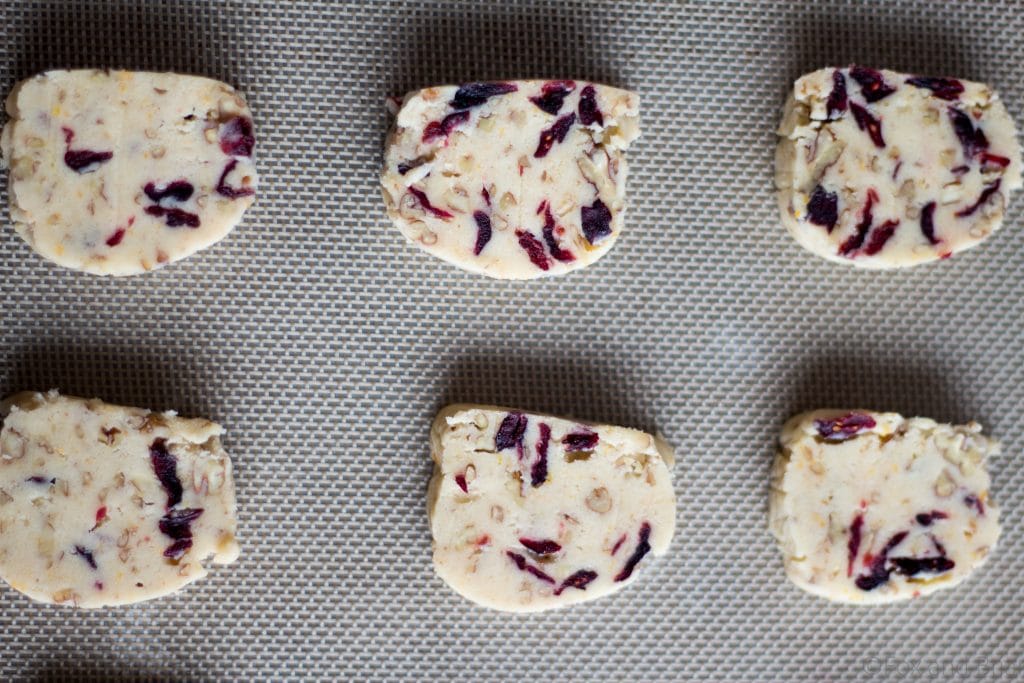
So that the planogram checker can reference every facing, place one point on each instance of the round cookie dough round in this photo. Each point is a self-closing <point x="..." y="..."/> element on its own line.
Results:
<point x="871" y="508"/>
<point x="531" y="512"/>
<point x="879" y="169"/>
<point x="118" y="173"/>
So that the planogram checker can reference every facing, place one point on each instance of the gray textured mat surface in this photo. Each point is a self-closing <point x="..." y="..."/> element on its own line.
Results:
<point x="325" y="345"/>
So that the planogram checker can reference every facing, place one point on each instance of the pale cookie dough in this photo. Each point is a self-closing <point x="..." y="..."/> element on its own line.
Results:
<point x="880" y="169"/>
<point x="118" y="172"/>
<point x="514" y="180"/>
<point x="871" y="507"/>
<point x="531" y="512"/>
<point x="105" y="505"/>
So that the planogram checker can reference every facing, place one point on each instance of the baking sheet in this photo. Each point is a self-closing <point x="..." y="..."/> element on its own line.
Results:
<point x="325" y="345"/>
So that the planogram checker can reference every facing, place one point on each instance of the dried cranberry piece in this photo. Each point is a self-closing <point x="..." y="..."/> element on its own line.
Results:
<point x="618" y="544"/>
<point x="926" y="518"/>
<point x="232" y="192"/>
<point x="178" y="190"/>
<point x="879" y="572"/>
<point x="557" y="252"/>
<point x="588" y="109"/>
<point x="842" y="428"/>
<point x="116" y="237"/>
<point x="856" y="241"/>
<point x="404" y="168"/>
<point x="444" y="127"/>
<point x="880" y="236"/>
<point x="872" y="84"/>
<point x="83" y="160"/>
<point x="837" y="99"/>
<point x="596" y="220"/>
<point x="972" y="501"/>
<point x="175" y="550"/>
<point x="544" y="547"/>
<point x="483" y="231"/>
<point x="928" y="222"/>
<point x="421" y="197"/>
<point x="511" y="431"/>
<point x="865" y="121"/>
<point x="525" y="566"/>
<point x="166" y="467"/>
<point x="912" y="566"/>
<point x="985" y="195"/>
<point x="539" y="471"/>
<point x="823" y="208"/>
<point x="992" y="162"/>
<point x="236" y="137"/>
<point x="556" y="133"/>
<point x="174" y="218"/>
<point x="853" y="545"/>
<point x="85" y="555"/>
<point x="943" y="88"/>
<point x="474" y="94"/>
<point x="579" y="579"/>
<point x="580" y="441"/>
<point x="460" y="479"/>
<point x="972" y="139"/>
<point x="534" y="249"/>
<point x="39" y="479"/>
<point x="178" y="523"/>
<point x="642" y="548"/>
<point x="552" y="96"/>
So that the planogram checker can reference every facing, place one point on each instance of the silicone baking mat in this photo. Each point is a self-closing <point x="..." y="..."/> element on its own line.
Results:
<point x="325" y="345"/>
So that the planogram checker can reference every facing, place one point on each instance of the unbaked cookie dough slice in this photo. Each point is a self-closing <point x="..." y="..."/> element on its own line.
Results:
<point x="105" y="505"/>
<point x="880" y="169"/>
<point x="514" y="180"/>
<point x="119" y="172"/>
<point x="873" y="508"/>
<point x="531" y="512"/>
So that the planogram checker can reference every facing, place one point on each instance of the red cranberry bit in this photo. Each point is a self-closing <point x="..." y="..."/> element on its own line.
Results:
<point x="486" y="195"/>
<point x="879" y="573"/>
<point x="926" y="518"/>
<point x="38" y="479"/>
<point x="98" y="585"/>
<point x="556" y="133"/>
<point x="444" y="127"/>
<point x="511" y="431"/>
<point x="539" y="471"/>
<point x="912" y="566"/>
<point x="943" y="88"/>
<point x="642" y="548"/>
<point x="474" y="94"/>
<point x="236" y="137"/>
<point x="842" y="428"/>
<point x="928" y="222"/>
<point x="578" y="580"/>
<point x="837" y="99"/>
<point x="972" y="501"/>
<point x="557" y="252"/>
<point x="166" y="467"/>
<point x="85" y="555"/>
<point x="853" y="546"/>
<point x="116" y="237"/>
<point x="175" y="550"/>
<point x="856" y="241"/>
<point x="179" y="191"/>
<point x="992" y="162"/>
<point x="872" y="85"/>
<point x="82" y="160"/>
<point x="823" y="208"/>
<point x="880" y="236"/>
<point x="865" y="121"/>
<point x="552" y="96"/>
<point x="404" y="168"/>
<point x="460" y="479"/>
<point x="421" y="197"/>
<point x="525" y="566"/>
<point x="178" y="523"/>
<point x="533" y="248"/>
<point x="596" y="221"/>
<point x="101" y="516"/>
<point x="580" y="441"/>
<point x="174" y="218"/>
<point x="232" y="192"/>
<point x="544" y="547"/>
<point x="590" y="113"/>
<point x="483" y="231"/>
<point x="972" y="139"/>
<point x="618" y="544"/>
<point x="986" y="194"/>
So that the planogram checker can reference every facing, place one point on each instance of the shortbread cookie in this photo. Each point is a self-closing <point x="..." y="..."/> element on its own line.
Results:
<point x="531" y="512"/>
<point x="882" y="170"/>
<point x="514" y="180"/>
<point x="105" y="505"/>
<point x="118" y="172"/>
<point x="872" y="508"/>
